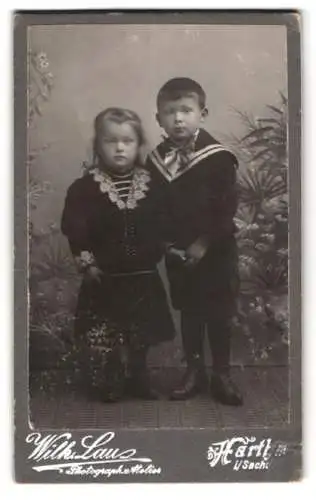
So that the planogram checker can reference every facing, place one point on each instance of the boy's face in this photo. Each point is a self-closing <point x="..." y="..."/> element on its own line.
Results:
<point x="118" y="146"/>
<point x="181" y="118"/>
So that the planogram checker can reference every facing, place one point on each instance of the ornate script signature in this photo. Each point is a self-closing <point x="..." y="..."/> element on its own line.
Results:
<point x="65" y="452"/>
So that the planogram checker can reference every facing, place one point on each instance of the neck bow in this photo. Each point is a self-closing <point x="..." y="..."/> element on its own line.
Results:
<point x="178" y="157"/>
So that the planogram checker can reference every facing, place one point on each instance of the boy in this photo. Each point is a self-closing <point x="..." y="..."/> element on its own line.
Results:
<point x="197" y="177"/>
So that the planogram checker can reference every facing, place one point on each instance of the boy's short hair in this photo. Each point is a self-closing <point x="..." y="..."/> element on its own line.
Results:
<point x="181" y="87"/>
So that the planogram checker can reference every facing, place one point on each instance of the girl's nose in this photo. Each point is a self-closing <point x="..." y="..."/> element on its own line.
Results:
<point x="119" y="146"/>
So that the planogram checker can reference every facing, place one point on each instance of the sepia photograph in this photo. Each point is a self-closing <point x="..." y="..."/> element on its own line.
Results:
<point x="158" y="231"/>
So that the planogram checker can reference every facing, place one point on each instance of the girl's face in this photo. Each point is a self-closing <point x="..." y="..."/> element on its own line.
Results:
<point x="118" y="146"/>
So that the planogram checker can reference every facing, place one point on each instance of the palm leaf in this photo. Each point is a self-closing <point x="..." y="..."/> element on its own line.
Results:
<point x="271" y="278"/>
<point x="276" y="110"/>
<point x="245" y="216"/>
<point x="257" y="132"/>
<point x="261" y="154"/>
<point x="257" y="185"/>
<point x="283" y="98"/>
<point x="275" y="167"/>
<point x="51" y="258"/>
<point x="269" y="120"/>
<point x="261" y="143"/>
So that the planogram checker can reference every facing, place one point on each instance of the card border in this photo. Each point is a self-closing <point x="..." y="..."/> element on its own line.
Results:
<point x="157" y="441"/>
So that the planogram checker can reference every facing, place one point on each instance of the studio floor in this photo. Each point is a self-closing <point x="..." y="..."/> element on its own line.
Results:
<point x="57" y="402"/>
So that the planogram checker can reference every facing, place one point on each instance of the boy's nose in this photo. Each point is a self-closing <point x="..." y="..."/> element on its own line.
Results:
<point x="119" y="146"/>
<point x="178" y="117"/>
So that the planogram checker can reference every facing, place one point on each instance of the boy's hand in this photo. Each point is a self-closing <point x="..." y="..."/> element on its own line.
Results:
<point x="196" y="252"/>
<point x="93" y="273"/>
<point x="177" y="253"/>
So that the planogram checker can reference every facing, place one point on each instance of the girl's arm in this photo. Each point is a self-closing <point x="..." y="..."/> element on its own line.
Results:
<point x="75" y="226"/>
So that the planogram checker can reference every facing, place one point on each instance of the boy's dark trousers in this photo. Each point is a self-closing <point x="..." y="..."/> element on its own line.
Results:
<point x="217" y="323"/>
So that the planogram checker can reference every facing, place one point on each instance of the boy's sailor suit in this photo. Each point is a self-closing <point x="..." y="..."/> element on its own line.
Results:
<point x="199" y="196"/>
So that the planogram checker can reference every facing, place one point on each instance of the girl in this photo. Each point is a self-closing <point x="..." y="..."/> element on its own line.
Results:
<point x="113" y="227"/>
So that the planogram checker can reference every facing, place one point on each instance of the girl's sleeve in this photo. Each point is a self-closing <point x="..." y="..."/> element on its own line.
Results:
<point x="163" y="208"/>
<point x="75" y="225"/>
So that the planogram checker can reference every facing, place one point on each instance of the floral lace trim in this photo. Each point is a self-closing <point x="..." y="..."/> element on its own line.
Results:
<point x="84" y="260"/>
<point x="137" y="191"/>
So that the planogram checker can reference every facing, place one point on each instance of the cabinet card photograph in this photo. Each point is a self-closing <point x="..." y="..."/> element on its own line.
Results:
<point x="157" y="236"/>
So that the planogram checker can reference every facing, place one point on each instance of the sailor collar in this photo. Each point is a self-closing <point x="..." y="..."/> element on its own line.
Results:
<point x="204" y="148"/>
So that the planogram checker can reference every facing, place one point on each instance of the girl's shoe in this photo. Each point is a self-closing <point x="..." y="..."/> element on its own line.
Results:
<point x="139" y="387"/>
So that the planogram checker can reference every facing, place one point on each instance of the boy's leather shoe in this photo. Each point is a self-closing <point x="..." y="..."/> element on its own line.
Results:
<point x="225" y="391"/>
<point x="194" y="382"/>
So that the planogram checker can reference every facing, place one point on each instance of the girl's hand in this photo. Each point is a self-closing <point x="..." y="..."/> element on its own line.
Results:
<point x="93" y="273"/>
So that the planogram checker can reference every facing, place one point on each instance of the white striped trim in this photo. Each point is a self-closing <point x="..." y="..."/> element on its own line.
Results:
<point x="196" y="158"/>
<point x="157" y="154"/>
<point x="211" y="147"/>
<point x="158" y="162"/>
<point x="204" y="153"/>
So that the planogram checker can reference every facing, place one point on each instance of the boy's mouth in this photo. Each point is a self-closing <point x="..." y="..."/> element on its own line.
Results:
<point x="179" y="130"/>
<point x="119" y="158"/>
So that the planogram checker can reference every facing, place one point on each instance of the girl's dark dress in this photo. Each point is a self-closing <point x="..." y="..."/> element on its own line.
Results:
<point x="114" y="223"/>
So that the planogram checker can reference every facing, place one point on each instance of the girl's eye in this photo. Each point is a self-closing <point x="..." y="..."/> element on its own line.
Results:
<point x="109" y="140"/>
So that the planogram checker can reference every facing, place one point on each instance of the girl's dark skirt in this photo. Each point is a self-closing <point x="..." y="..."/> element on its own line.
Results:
<point x="116" y="317"/>
<point x="136" y="301"/>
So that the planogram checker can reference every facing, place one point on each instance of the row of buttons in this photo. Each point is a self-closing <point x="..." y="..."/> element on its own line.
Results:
<point x="130" y="233"/>
<point x="130" y="250"/>
<point x="130" y="230"/>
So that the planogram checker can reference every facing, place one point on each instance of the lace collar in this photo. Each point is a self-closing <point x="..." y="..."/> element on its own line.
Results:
<point x="137" y="190"/>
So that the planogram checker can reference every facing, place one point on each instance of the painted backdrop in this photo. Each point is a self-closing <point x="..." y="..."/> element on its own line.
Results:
<point x="242" y="69"/>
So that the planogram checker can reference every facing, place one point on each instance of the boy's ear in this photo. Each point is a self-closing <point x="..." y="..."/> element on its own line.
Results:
<point x="158" y="119"/>
<point x="204" y="113"/>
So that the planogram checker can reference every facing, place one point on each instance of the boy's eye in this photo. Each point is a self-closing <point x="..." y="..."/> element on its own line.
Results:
<point x="173" y="111"/>
<point x="185" y="109"/>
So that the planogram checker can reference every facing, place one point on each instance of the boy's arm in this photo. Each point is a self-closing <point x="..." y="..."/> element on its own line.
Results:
<point x="217" y="220"/>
